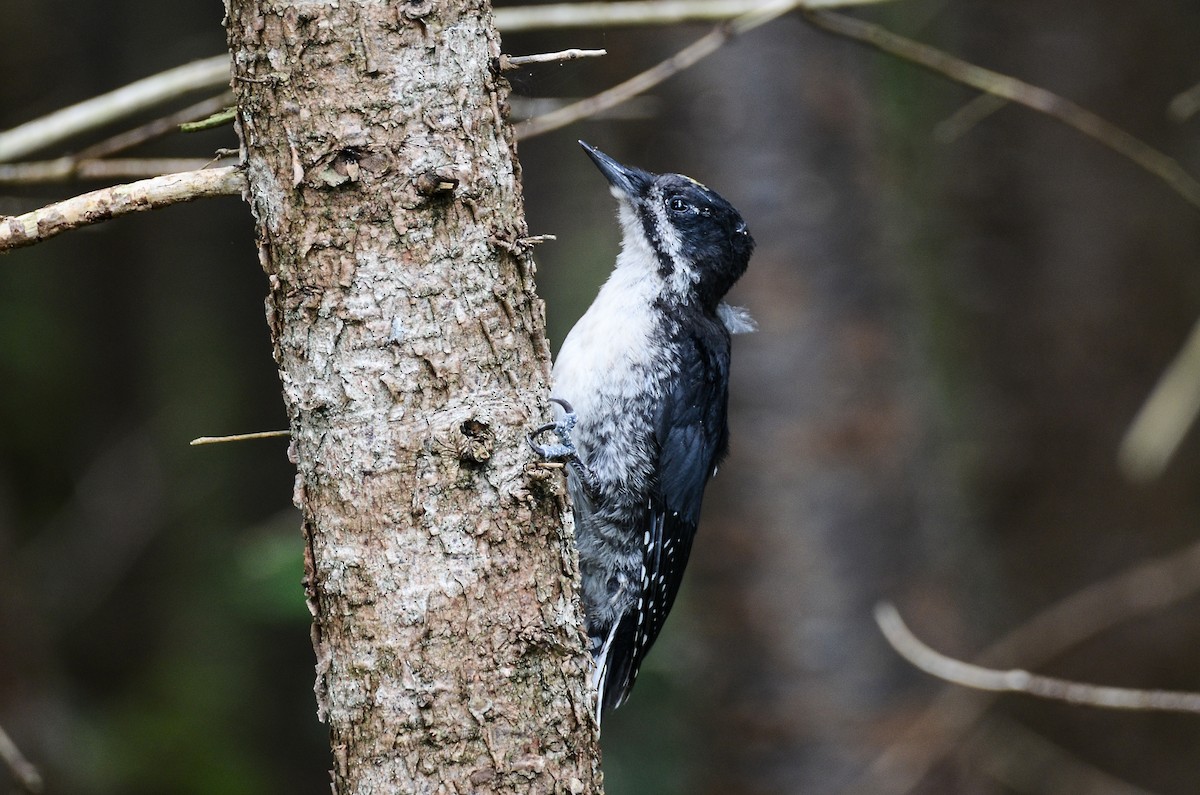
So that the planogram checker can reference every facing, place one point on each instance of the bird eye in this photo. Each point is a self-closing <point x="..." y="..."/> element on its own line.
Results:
<point x="677" y="205"/>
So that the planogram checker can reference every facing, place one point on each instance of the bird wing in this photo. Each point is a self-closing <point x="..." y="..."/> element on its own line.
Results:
<point x="692" y="436"/>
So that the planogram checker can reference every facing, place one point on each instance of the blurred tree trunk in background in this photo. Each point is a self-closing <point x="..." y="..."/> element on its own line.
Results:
<point x="954" y="338"/>
<point x="412" y="353"/>
<point x="821" y="500"/>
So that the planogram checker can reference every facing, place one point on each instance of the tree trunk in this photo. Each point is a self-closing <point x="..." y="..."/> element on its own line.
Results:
<point x="412" y="353"/>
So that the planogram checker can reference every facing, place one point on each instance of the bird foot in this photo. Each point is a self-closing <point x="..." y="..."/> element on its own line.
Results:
<point x="565" y="448"/>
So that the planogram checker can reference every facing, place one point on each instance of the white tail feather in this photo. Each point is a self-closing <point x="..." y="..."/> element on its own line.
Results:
<point x="600" y="672"/>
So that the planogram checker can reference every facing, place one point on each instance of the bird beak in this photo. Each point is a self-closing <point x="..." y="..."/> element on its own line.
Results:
<point x="624" y="180"/>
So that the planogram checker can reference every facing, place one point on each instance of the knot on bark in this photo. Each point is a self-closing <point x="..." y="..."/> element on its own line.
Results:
<point x="437" y="182"/>
<point x="337" y="168"/>
<point x="477" y="442"/>
<point x="416" y="9"/>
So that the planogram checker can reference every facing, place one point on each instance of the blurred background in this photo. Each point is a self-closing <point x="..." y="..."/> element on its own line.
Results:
<point x="955" y="332"/>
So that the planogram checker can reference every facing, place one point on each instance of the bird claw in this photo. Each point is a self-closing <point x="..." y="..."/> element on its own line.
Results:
<point x="562" y="429"/>
<point x="565" y="449"/>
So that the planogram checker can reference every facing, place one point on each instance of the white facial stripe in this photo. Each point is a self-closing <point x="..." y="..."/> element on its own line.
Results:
<point x="682" y="275"/>
<point x="634" y="246"/>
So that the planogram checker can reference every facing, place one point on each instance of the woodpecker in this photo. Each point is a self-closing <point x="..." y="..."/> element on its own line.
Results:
<point x="643" y="383"/>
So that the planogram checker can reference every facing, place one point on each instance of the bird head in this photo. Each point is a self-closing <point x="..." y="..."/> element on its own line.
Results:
<point x="690" y="236"/>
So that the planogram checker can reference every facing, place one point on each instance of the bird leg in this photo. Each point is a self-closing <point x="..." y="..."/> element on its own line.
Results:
<point x="562" y="429"/>
<point x="565" y="449"/>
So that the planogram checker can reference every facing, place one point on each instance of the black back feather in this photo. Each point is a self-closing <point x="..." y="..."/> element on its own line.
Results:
<point x="692" y="436"/>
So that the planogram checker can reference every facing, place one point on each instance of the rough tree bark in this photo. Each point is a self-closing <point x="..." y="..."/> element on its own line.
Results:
<point x="412" y="353"/>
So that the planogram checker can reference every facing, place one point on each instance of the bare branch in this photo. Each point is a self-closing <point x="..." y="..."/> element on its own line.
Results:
<point x="101" y="205"/>
<point x="516" y="61"/>
<point x="1033" y="97"/>
<point x="157" y="128"/>
<point x="694" y="52"/>
<point x="88" y="163"/>
<point x="1145" y="588"/>
<point x="26" y="775"/>
<point x="68" y="168"/>
<point x="238" y="437"/>
<point x="638" y="12"/>
<point x="640" y="83"/>
<point x="1165" y="417"/>
<point x="218" y="118"/>
<point x="643" y="107"/>
<point x="1015" y="680"/>
<point x="965" y="118"/>
<point x="124" y="101"/>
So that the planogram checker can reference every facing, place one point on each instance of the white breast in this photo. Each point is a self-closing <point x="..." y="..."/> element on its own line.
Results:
<point x="607" y="353"/>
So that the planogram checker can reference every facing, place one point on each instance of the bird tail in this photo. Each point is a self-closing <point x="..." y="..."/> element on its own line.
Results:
<point x="600" y="671"/>
<point x="616" y="660"/>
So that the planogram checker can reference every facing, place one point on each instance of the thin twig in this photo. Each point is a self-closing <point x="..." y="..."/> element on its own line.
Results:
<point x="89" y="163"/>
<point x="69" y="168"/>
<point x="1033" y="97"/>
<point x="157" y="128"/>
<point x="1145" y="588"/>
<point x="118" y="104"/>
<point x="637" y="12"/>
<point x="238" y="437"/>
<point x="101" y="205"/>
<point x="640" y="83"/>
<point x="1016" y="680"/>
<point x="959" y="123"/>
<point x="220" y="118"/>
<point x="516" y="61"/>
<point x="26" y="775"/>
<point x="642" y="107"/>
<point x="1164" y="419"/>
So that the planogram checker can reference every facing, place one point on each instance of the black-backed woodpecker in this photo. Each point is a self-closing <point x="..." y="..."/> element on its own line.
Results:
<point x="643" y="382"/>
